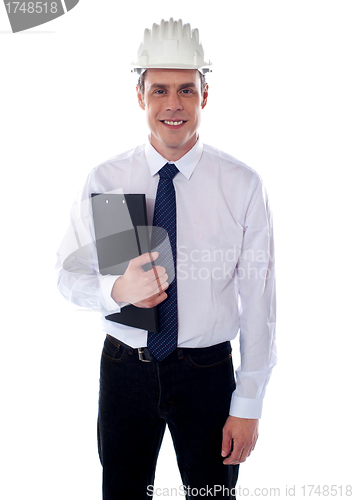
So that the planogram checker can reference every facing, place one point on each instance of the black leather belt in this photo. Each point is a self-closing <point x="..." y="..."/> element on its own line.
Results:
<point x="145" y="355"/>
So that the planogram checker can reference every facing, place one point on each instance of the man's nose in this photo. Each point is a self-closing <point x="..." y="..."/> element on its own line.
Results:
<point x="174" y="102"/>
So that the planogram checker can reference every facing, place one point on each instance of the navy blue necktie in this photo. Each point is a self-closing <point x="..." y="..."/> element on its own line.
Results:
<point x="163" y="343"/>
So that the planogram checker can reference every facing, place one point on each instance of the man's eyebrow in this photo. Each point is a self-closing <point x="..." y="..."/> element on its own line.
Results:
<point x="164" y="86"/>
<point x="184" y="85"/>
<point x="159" y="86"/>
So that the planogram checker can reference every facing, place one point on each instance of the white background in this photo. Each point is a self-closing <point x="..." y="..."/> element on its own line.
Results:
<point x="281" y="100"/>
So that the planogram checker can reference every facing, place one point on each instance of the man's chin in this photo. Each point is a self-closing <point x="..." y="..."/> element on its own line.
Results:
<point x="174" y="142"/>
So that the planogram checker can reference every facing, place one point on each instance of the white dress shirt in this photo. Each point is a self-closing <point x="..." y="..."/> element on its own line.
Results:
<point x="225" y="260"/>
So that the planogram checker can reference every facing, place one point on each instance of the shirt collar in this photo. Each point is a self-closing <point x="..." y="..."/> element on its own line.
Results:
<point x="185" y="165"/>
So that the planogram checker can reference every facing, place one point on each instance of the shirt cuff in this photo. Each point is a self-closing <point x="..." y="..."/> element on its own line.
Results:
<point x="245" y="408"/>
<point x="106" y="283"/>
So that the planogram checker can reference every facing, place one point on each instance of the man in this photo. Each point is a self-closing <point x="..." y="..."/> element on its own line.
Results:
<point x="215" y="212"/>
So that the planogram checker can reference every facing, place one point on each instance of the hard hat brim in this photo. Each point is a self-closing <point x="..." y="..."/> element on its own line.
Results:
<point x="140" y="70"/>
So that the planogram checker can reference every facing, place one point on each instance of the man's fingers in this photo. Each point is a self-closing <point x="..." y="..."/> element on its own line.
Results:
<point x="152" y="301"/>
<point x="244" y="433"/>
<point x="155" y="289"/>
<point x="236" y="456"/>
<point x="156" y="272"/>
<point x="226" y="445"/>
<point x="160" y="288"/>
<point x="239" y="454"/>
<point x="155" y="282"/>
<point x="145" y="258"/>
<point x="162" y="282"/>
<point x="160" y="298"/>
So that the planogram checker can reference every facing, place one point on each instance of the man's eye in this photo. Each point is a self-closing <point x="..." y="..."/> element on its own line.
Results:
<point x="159" y="91"/>
<point x="186" y="91"/>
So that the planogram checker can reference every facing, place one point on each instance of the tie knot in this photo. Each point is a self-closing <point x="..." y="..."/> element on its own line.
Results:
<point x="168" y="171"/>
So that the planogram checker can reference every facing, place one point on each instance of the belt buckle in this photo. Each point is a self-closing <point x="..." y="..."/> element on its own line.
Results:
<point x="141" y="355"/>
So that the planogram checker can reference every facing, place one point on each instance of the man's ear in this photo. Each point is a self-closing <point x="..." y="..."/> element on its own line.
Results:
<point x="140" y="98"/>
<point x="205" y="96"/>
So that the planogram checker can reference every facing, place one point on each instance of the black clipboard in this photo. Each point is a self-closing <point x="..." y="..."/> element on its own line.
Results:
<point x="121" y="231"/>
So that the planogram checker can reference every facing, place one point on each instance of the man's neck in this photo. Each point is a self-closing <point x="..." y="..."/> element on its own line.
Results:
<point x="172" y="154"/>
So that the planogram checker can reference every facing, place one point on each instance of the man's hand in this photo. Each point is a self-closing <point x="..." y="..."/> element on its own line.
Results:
<point x="141" y="288"/>
<point x="244" y="434"/>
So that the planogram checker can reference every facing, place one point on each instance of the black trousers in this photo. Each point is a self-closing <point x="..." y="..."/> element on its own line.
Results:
<point x="190" y="391"/>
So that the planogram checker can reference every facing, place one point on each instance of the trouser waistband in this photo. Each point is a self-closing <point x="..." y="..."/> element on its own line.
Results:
<point x="145" y="355"/>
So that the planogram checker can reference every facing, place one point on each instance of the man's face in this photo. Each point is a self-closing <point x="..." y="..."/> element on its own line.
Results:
<point x="173" y="102"/>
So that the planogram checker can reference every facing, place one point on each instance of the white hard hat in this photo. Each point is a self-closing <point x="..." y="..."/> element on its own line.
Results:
<point x="171" y="44"/>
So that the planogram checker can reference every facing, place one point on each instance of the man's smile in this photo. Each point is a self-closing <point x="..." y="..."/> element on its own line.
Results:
<point x="173" y="123"/>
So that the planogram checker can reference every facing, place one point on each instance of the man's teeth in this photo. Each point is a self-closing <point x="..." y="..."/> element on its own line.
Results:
<point x="173" y="123"/>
